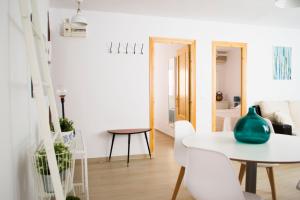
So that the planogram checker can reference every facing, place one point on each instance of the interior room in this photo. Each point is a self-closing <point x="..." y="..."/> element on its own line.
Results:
<point x="228" y="87"/>
<point x="143" y="100"/>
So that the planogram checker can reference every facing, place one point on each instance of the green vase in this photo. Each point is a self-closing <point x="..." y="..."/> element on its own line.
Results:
<point x="252" y="128"/>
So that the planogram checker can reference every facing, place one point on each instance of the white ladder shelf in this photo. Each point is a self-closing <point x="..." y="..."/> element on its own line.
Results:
<point x="37" y="60"/>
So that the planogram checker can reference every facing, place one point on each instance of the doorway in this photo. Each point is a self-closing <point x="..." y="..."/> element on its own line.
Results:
<point x="228" y="84"/>
<point x="184" y="97"/>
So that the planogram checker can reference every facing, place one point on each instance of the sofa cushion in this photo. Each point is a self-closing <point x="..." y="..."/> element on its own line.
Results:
<point x="268" y="108"/>
<point x="270" y="125"/>
<point x="295" y="114"/>
<point x="283" y="118"/>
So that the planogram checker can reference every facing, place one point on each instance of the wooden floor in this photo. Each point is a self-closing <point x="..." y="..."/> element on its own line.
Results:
<point x="155" y="179"/>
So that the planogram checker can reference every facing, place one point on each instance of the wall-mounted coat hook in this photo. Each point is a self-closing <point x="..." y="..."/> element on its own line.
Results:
<point x="126" y="48"/>
<point x="134" y="48"/>
<point x="142" y="49"/>
<point x="110" y="48"/>
<point x="119" y="48"/>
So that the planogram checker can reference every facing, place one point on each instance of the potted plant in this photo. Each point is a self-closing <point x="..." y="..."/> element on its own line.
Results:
<point x="63" y="158"/>
<point x="67" y="129"/>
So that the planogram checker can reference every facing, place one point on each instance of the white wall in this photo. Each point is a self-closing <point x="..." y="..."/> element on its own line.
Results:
<point x="162" y="54"/>
<point x="6" y="183"/>
<point x="229" y="75"/>
<point x="17" y="124"/>
<point x="112" y="91"/>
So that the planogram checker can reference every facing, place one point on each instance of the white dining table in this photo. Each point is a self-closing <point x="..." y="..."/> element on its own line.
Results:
<point x="280" y="149"/>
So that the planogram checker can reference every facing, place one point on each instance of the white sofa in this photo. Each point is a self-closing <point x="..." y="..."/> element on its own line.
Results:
<point x="282" y="112"/>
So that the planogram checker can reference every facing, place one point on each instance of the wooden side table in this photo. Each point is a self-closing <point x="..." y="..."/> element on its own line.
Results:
<point x="128" y="132"/>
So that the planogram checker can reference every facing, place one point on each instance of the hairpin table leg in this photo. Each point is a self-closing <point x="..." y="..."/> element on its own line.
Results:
<point x="147" y="144"/>
<point x="112" y="145"/>
<point x="129" y="135"/>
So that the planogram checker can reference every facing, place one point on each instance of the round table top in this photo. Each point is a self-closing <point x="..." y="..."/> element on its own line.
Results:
<point x="129" y="131"/>
<point x="279" y="149"/>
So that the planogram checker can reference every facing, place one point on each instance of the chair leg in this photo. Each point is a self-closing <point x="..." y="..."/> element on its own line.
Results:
<point x="178" y="183"/>
<point x="242" y="172"/>
<point x="272" y="181"/>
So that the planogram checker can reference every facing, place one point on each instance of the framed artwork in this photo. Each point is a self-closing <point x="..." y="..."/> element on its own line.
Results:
<point x="282" y="67"/>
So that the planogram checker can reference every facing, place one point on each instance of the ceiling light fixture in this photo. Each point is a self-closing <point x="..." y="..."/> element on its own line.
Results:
<point x="287" y="3"/>
<point x="79" y="19"/>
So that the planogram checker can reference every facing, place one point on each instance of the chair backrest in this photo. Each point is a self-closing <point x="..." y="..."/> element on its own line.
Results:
<point x="210" y="176"/>
<point x="182" y="129"/>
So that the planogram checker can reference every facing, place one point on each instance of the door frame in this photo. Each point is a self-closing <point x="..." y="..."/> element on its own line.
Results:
<point x="243" y="46"/>
<point x="192" y="45"/>
<point x="187" y="53"/>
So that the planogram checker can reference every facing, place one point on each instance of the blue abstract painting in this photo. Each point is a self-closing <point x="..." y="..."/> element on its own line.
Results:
<point x="282" y="67"/>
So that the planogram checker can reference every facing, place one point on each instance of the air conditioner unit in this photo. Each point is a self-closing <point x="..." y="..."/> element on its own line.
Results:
<point x="221" y="57"/>
<point x="74" y="29"/>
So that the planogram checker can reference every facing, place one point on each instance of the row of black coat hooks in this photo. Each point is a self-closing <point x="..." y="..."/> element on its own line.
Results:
<point x="126" y="48"/>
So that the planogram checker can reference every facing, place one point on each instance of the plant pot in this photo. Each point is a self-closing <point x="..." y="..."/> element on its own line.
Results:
<point x="68" y="136"/>
<point x="47" y="181"/>
<point x="252" y="128"/>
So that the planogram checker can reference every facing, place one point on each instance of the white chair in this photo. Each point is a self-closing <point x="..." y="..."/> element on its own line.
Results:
<point x="210" y="176"/>
<point x="182" y="129"/>
<point x="269" y="168"/>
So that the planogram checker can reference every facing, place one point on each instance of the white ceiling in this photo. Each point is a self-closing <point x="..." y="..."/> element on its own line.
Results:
<point x="256" y="12"/>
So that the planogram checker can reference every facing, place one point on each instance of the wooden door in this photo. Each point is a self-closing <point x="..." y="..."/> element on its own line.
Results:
<point x="182" y="84"/>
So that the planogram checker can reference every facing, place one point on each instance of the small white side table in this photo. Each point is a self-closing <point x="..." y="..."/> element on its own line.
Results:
<point x="80" y="153"/>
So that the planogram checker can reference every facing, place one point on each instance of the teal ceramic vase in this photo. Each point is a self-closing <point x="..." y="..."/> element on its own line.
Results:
<point x="252" y="128"/>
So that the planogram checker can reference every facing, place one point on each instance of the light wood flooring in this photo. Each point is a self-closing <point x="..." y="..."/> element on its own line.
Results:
<point x="155" y="179"/>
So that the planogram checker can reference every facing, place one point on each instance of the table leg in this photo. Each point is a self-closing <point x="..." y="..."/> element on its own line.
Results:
<point x="251" y="173"/>
<point x="112" y="145"/>
<point x="147" y="144"/>
<point x="128" y="149"/>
